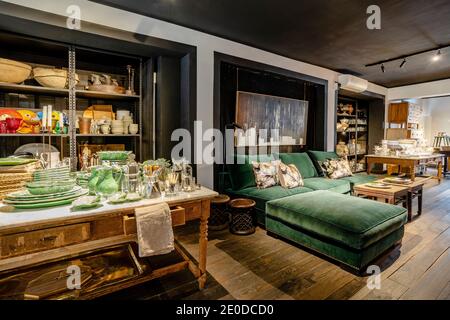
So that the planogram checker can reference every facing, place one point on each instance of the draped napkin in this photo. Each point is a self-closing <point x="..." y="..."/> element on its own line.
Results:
<point x="154" y="230"/>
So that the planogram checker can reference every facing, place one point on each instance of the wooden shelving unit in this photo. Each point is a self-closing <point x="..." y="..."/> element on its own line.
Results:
<point x="75" y="98"/>
<point x="356" y="135"/>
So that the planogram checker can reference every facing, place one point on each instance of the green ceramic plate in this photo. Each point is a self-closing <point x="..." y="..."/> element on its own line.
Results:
<point x="53" y="176"/>
<point x="82" y="192"/>
<point x="86" y="206"/>
<point x="48" y="172"/>
<point x="25" y="195"/>
<point x="119" y="201"/>
<point x="113" y="155"/>
<point x="44" y="205"/>
<point x="14" y="161"/>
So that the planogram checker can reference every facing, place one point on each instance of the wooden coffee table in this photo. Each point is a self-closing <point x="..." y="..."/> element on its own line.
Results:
<point x="392" y="195"/>
<point x="415" y="190"/>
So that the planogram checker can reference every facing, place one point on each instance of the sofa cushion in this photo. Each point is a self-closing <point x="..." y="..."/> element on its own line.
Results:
<point x="303" y="163"/>
<point x="266" y="173"/>
<point x="339" y="186"/>
<point x="241" y="172"/>
<point x="360" y="178"/>
<point x="320" y="156"/>
<point x="337" y="168"/>
<point x="289" y="176"/>
<point x="345" y="219"/>
<point x="261" y="196"/>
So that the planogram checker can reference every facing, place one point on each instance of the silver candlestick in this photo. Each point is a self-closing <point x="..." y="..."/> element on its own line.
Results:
<point x="132" y="81"/>
<point x="129" y="91"/>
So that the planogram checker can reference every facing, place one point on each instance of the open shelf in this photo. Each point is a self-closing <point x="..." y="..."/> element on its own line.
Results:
<point x="34" y="135"/>
<point x="23" y="88"/>
<point x="105" y="95"/>
<point x="346" y="115"/>
<point x="107" y="135"/>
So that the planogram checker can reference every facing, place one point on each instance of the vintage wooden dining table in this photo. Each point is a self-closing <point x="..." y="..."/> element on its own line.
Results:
<point x="35" y="242"/>
<point x="406" y="161"/>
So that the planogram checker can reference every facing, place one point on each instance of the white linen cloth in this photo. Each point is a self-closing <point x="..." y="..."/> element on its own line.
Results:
<point x="154" y="230"/>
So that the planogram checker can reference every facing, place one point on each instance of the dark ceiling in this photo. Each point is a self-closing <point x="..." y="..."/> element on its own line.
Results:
<point x="328" y="33"/>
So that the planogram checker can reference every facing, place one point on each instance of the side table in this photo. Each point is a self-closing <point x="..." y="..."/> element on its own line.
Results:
<point x="242" y="216"/>
<point x="415" y="190"/>
<point x="392" y="195"/>
<point x="220" y="216"/>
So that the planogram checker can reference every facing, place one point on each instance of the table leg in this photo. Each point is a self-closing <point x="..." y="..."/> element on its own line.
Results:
<point x="203" y="242"/>
<point x="413" y="172"/>
<point x="447" y="165"/>
<point x="391" y="200"/>
<point x="439" y="173"/>
<point x="409" y="205"/>
<point x="369" y="166"/>
<point x="419" y="201"/>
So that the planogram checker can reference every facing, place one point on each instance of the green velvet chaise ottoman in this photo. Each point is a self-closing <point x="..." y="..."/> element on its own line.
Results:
<point x="351" y="230"/>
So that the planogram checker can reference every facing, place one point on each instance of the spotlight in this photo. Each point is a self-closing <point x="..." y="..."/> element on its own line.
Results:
<point x="403" y="63"/>
<point x="437" y="56"/>
<point x="382" y="68"/>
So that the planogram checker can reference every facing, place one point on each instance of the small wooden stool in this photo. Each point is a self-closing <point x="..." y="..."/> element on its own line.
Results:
<point x="242" y="216"/>
<point x="220" y="216"/>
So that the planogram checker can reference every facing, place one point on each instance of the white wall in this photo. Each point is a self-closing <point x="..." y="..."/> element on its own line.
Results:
<point x="422" y="90"/>
<point x="438" y="110"/>
<point x="436" y="105"/>
<point x="206" y="46"/>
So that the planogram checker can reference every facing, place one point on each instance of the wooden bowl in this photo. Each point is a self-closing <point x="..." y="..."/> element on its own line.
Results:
<point x="52" y="78"/>
<point x="13" y="71"/>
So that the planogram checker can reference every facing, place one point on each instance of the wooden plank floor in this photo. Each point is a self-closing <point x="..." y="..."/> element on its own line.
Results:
<point x="262" y="267"/>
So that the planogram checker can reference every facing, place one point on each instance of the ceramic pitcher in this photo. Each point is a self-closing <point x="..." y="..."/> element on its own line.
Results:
<point x="107" y="185"/>
<point x="93" y="180"/>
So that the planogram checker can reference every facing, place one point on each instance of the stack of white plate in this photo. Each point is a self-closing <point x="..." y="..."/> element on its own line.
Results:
<point x="117" y="127"/>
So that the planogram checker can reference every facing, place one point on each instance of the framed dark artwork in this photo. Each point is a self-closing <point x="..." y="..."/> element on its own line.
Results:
<point x="289" y="116"/>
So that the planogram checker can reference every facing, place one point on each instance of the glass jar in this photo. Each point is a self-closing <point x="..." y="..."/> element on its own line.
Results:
<point x="131" y="175"/>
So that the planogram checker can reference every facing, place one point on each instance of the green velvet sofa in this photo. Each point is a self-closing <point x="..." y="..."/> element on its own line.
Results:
<point x="242" y="180"/>
<point x="321" y="215"/>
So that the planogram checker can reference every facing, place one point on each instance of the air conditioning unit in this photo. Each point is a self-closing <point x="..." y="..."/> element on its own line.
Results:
<point x="352" y="83"/>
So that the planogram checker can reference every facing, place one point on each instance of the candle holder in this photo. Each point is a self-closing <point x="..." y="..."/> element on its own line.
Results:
<point x="130" y="89"/>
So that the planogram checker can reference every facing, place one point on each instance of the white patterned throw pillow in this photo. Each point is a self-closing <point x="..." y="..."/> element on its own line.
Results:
<point x="265" y="173"/>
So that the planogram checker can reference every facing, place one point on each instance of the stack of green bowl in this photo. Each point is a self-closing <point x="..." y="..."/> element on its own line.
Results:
<point x="49" y="188"/>
<point x="83" y="179"/>
<point x="44" y="195"/>
<point x="60" y="173"/>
